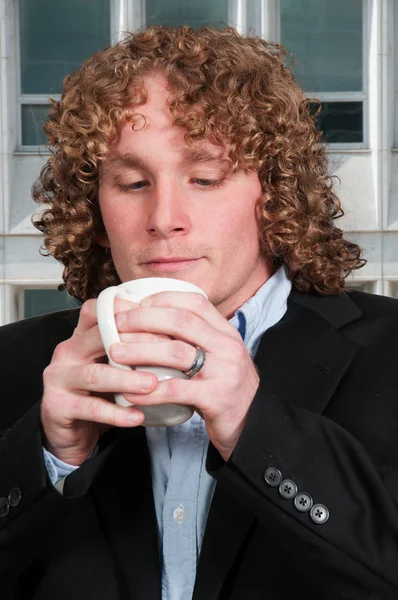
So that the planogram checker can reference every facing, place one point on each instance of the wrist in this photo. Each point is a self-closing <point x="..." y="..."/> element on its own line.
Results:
<point x="70" y="456"/>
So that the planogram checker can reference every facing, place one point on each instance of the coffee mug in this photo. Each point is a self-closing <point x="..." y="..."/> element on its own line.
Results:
<point x="135" y="291"/>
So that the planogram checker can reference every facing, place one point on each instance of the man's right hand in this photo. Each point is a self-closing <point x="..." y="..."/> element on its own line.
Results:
<point x="75" y="410"/>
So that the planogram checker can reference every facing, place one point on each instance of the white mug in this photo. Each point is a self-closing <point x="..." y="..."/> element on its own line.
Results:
<point x="135" y="290"/>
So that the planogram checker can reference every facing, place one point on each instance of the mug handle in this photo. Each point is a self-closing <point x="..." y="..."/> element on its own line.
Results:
<point x="106" y="320"/>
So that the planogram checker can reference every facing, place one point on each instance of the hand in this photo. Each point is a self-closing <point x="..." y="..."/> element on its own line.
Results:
<point x="222" y="391"/>
<point x="75" y="411"/>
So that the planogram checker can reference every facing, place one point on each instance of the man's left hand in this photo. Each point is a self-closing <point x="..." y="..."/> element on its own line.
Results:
<point x="224" y="388"/>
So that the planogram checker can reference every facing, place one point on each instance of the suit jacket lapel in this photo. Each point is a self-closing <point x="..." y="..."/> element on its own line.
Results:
<point x="123" y="498"/>
<point x="304" y="356"/>
<point x="303" y="359"/>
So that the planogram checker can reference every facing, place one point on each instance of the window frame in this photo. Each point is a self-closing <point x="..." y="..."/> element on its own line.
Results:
<point x="373" y="285"/>
<point x="237" y="14"/>
<point x="116" y="13"/>
<point x="362" y="96"/>
<point x="394" y="44"/>
<point x="125" y="15"/>
<point x="391" y="287"/>
<point x="19" y="294"/>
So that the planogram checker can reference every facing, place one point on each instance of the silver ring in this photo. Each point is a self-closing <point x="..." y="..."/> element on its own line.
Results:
<point x="197" y="363"/>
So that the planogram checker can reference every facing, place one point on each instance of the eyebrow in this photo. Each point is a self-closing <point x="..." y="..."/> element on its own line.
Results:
<point x="190" y="156"/>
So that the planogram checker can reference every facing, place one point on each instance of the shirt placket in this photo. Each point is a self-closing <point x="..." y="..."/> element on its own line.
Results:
<point x="180" y="509"/>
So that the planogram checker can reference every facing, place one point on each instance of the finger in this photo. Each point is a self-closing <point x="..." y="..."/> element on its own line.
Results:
<point x="176" y="322"/>
<point x="88" y="313"/>
<point x="87" y="346"/>
<point x="193" y="302"/>
<point x="173" y="391"/>
<point x="94" y="409"/>
<point x="143" y="336"/>
<point x="174" y="354"/>
<point x="87" y="316"/>
<point x="97" y="377"/>
<point x="86" y="342"/>
<point x="83" y="346"/>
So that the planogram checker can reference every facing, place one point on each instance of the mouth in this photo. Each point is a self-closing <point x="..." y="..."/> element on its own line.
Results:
<point x="174" y="263"/>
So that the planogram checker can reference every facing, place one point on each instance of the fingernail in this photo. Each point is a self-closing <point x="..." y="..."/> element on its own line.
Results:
<point x="121" y="318"/>
<point x="118" y="350"/>
<point x="146" y="383"/>
<point x="133" y="418"/>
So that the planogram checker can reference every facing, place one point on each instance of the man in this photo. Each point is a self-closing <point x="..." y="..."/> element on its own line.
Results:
<point x="193" y="155"/>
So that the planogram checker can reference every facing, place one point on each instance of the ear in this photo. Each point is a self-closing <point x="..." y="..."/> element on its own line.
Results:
<point x="102" y="239"/>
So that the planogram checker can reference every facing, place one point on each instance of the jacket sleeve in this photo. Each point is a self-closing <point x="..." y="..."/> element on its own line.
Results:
<point x="343" y="467"/>
<point x="30" y="506"/>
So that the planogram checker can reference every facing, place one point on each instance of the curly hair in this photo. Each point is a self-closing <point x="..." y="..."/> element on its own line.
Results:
<point x="247" y="98"/>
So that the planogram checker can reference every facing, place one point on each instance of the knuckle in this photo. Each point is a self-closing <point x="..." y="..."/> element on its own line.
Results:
<point x="88" y="309"/>
<point x="179" y="350"/>
<point x="182" y="319"/>
<point x="95" y="409"/>
<point x="48" y="373"/>
<point x="172" y="387"/>
<point x="61" y="352"/>
<point x="91" y="374"/>
<point x="200" y="301"/>
<point x="52" y="375"/>
<point x="238" y="349"/>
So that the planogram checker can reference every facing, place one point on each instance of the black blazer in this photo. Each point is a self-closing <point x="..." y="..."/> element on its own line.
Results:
<point x="325" y="416"/>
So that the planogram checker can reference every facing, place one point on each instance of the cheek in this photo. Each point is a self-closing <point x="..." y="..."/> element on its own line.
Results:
<point x="236" y="219"/>
<point x="120" y="221"/>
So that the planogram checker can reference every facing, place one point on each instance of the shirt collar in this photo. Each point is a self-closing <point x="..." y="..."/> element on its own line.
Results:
<point x="263" y="310"/>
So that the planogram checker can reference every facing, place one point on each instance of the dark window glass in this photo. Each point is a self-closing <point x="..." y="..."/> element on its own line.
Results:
<point x="40" y="302"/>
<point x="187" y="12"/>
<point x="365" y="286"/>
<point x="55" y="37"/>
<point x="341" y="122"/>
<point x="33" y="117"/>
<point x="325" y="38"/>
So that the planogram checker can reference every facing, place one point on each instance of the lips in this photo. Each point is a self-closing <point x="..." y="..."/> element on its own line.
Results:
<point x="169" y="260"/>
<point x="173" y="263"/>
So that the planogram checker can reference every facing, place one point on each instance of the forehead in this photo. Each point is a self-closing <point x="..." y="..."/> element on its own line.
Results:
<point x="151" y="131"/>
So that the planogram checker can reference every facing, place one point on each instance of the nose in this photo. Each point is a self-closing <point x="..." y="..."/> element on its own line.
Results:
<point x="168" y="211"/>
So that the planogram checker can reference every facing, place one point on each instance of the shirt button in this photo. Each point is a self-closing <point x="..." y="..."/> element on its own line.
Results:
<point x="179" y="514"/>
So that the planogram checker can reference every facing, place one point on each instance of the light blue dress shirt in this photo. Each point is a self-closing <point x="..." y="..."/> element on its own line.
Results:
<point x="182" y="488"/>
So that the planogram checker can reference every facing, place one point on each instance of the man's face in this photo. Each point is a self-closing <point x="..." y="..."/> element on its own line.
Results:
<point x="171" y="210"/>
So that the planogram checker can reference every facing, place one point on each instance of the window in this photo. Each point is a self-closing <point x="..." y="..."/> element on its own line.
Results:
<point x="54" y="38"/>
<point x="33" y="302"/>
<point x="187" y="12"/>
<point x="327" y="40"/>
<point x="391" y="288"/>
<point x="362" y="286"/>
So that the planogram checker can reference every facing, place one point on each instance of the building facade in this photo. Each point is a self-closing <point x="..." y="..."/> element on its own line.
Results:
<point x="345" y="55"/>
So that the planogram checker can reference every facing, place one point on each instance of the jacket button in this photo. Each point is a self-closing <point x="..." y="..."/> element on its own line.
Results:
<point x="4" y="507"/>
<point x="14" y="497"/>
<point x="303" y="502"/>
<point x="319" y="514"/>
<point x="273" y="476"/>
<point x="288" y="489"/>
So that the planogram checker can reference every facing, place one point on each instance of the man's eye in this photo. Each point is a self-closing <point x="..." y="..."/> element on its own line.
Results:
<point x="207" y="182"/>
<point x="136" y="185"/>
